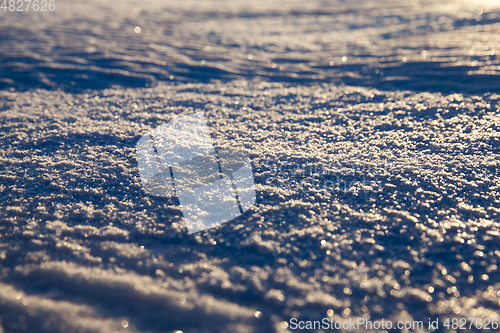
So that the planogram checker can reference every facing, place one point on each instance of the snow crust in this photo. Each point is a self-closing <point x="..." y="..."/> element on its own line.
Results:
<point x="377" y="195"/>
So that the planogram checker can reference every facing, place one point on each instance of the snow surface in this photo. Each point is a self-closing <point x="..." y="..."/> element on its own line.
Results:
<point x="373" y="132"/>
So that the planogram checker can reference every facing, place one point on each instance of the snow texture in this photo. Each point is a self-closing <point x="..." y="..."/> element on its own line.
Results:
<point x="372" y="128"/>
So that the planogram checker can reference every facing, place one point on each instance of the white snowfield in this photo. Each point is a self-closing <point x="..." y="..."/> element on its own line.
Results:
<point x="373" y="133"/>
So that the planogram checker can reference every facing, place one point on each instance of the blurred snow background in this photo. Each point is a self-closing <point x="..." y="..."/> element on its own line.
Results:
<point x="397" y="99"/>
<point x="424" y="45"/>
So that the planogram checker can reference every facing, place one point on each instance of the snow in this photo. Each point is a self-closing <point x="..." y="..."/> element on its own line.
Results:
<point x="376" y="177"/>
